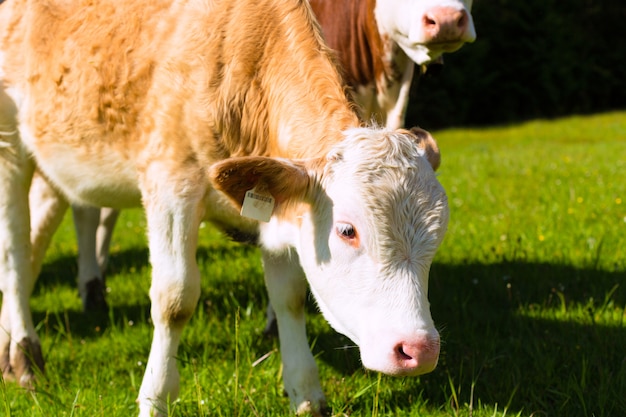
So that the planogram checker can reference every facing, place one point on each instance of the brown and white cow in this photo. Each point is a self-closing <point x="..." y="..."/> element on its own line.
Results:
<point x="193" y="110"/>
<point x="378" y="45"/>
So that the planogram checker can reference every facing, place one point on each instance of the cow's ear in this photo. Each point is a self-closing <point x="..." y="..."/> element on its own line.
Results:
<point x="428" y="143"/>
<point x="285" y="180"/>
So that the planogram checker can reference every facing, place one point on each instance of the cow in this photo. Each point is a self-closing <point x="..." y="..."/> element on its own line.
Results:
<point x="377" y="44"/>
<point x="233" y="112"/>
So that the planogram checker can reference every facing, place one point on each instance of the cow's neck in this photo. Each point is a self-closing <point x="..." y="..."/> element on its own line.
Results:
<point x="351" y="30"/>
<point x="290" y="94"/>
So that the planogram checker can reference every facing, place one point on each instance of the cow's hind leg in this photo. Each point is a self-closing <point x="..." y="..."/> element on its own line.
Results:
<point x="90" y="276"/>
<point x="94" y="228"/>
<point x="47" y="208"/>
<point x="19" y="345"/>
<point x="108" y="218"/>
<point x="287" y="288"/>
<point x="271" y="327"/>
<point x="173" y="223"/>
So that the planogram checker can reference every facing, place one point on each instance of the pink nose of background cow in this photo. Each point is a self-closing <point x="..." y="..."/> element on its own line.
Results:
<point x="447" y="24"/>
<point x="417" y="357"/>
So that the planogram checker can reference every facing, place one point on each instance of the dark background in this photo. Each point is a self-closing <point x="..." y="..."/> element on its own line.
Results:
<point x="532" y="59"/>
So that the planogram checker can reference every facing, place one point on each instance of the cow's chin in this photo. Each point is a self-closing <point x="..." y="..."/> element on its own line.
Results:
<point x="427" y="53"/>
<point x="418" y="53"/>
<point x="330" y="317"/>
<point x="391" y="352"/>
<point x="438" y="49"/>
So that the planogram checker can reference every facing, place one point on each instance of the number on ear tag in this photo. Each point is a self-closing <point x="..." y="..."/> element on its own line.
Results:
<point x="257" y="206"/>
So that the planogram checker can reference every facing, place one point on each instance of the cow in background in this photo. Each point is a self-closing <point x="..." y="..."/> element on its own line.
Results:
<point x="379" y="43"/>
<point x="194" y="111"/>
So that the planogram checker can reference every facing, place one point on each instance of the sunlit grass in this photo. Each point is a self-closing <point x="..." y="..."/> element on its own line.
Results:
<point x="528" y="291"/>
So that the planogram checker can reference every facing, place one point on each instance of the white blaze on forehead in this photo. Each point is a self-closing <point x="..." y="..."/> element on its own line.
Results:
<point x="405" y="205"/>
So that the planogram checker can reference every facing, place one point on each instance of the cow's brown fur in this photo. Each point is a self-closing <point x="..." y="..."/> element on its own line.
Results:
<point x="217" y="87"/>
<point x="350" y="29"/>
<point x="130" y="103"/>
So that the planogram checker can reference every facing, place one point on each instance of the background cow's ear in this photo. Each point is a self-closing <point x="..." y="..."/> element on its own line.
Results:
<point x="285" y="180"/>
<point x="428" y="143"/>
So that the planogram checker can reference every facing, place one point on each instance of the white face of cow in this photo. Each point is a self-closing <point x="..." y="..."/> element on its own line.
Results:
<point x="425" y="29"/>
<point x="366" y="227"/>
<point x="367" y="247"/>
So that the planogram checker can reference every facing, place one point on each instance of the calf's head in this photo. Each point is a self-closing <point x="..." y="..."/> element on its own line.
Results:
<point x="369" y="218"/>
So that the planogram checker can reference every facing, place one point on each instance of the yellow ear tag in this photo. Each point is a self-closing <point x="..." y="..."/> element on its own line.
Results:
<point x="257" y="205"/>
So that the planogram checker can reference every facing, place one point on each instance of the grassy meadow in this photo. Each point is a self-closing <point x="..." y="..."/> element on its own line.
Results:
<point x="528" y="291"/>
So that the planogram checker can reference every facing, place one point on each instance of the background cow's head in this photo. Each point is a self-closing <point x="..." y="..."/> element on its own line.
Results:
<point x="369" y="218"/>
<point x="425" y="29"/>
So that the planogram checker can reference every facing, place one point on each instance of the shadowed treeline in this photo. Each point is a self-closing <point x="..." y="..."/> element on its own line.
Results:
<point x="532" y="59"/>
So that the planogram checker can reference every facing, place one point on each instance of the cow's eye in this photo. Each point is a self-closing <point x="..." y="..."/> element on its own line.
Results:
<point x="346" y="230"/>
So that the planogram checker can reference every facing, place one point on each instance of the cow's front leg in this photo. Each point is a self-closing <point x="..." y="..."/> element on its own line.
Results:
<point x="287" y="288"/>
<point x="19" y="345"/>
<point x="396" y="101"/>
<point x="173" y="223"/>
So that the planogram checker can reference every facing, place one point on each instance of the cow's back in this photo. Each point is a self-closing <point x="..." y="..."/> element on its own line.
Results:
<point x="87" y="64"/>
<point x="109" y="85"/>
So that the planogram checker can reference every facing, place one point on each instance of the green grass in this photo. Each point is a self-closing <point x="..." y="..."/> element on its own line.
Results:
<point x="528" y="291"/>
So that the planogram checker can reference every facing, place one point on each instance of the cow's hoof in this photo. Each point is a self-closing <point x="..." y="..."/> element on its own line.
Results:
<point x="95" y="299"/>
<point x="27" y="362"/>
<point x="5" y="364"/>
<point x="307" y="409"/>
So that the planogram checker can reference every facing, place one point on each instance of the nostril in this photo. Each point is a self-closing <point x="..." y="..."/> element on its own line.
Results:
<point x="445" y="24"/>
<point x="429" y="21"/>
<point x="402" y="354"/>
<point x="409" y="355"/>
<point x="462" y="22"/>
<point x="416" y="357"/>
